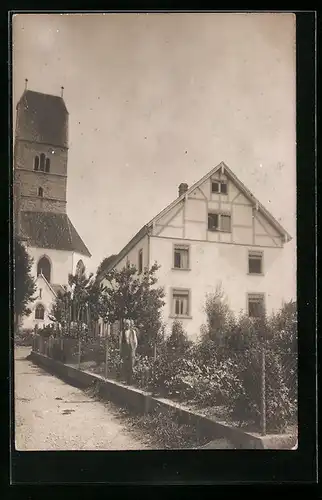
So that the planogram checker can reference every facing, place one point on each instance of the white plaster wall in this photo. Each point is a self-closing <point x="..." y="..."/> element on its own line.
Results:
<point x="61" y="263"/>
<point x="47" y="298"/>
<point x="212" y="263"/>
<point x="133" y="255"/>
<point x="86" y="260"/>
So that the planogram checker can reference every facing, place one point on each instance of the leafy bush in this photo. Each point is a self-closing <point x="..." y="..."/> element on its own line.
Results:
<point x="114" y="360"/>
<point x="220" y="319"/>
<point x="45" y="331"/>
<point x="247" y="342"/>
<point x="168" y="432"/>
<point x="143" y="371"/>
<point x="93" y="350"/>
<point x="172" y="364"/>
<point x="23" y="337"/>
<point x="177" y="341"/>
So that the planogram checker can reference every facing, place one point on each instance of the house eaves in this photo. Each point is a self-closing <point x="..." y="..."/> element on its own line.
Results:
<point x="139" y="235"/>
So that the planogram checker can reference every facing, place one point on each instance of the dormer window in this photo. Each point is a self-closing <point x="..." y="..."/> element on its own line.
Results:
<point x="219" y="187"/>
<point x="40" y="192"/>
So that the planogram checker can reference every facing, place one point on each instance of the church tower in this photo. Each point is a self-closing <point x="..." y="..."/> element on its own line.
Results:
<point x="41" y="152"/>
<point x="40" y="194"/>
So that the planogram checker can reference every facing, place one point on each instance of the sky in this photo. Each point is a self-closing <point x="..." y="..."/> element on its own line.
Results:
<point x="159" y="99"/>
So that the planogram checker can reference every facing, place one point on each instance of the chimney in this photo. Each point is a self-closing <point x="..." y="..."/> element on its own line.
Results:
<point x="183" y="188"/>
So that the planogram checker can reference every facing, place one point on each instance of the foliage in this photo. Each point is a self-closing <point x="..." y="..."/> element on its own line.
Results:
<point x="104" y="265"/>
<point x="248" y="343"/>
<point x="178" y="340"/>
<point x="129" y="295"/>
<point x="77" y="308"/>
<point x="24" y="283"/>
<point x="46" y="331"/>
<point x="23" y="337"/>
<point x="284" y="325"/>
<point x="167" y="431"/>
<point x="220" y="319"/>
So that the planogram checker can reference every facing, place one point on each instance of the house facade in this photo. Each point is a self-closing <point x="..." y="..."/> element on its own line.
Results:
<point x="40" y="199"/>
<point x="214" y="233"/>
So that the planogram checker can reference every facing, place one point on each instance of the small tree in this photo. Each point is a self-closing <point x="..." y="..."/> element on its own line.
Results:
<point x="220" y="318"/>
<point x="24" y="283"/>
<point x="178" y="341"/>
<point x="129" y="295"/>
<point x="104" y="265"/>
<point x="78" y="305"/>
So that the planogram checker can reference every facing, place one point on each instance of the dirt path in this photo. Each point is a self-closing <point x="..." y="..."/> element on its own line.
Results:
<point x="52" y="415"/>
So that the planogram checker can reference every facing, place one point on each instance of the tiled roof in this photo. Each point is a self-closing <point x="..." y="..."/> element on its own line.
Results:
<point x="52" y="230"/>
<point x="42" y="118"/>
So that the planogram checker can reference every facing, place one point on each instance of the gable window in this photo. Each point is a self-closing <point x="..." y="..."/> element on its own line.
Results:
<point x="140" y="261"/>
<point x="255" y="262"/>
<point x="180" y="302"/>
<point x="256" y="306"/>
<point x="219" y="187"/>
<point x="219" y="222"/>
<point x="39" y="312"/>
<point x="181" y="257"/>
<point x="225" y="222"/>
<point x="44" y="268"/>
<point x="40" y="292"/>
<point x="40" y="192"/>
<point x="36" y="163"/>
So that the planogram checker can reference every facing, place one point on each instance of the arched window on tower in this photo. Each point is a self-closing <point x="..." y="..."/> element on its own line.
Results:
<point x="36" y="163"/>
<point x="42" y="162"/>
<point x="40" y="192"/>
<point x="80" y="268"/>
<point x="44" y="268"/>
<point x="47" y="167"/>
<point x="40" y="312"/>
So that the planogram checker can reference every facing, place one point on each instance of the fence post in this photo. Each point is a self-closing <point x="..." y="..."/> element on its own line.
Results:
<point x="263" y="392"/>
<point x="106" y="347"/>
<point x="79" y="352"/>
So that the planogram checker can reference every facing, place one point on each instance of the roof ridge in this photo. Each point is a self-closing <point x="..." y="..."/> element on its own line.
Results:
<point x="42" y="93"/>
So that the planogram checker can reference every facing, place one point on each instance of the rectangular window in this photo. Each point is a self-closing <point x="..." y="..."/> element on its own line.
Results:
<point x="219" y="222"/>
<point x="213" y="222"/>
<point x="223" y="187"/>
<point x="256" y="307"/>
<point x="140" y="264"/>
<point x="181" y="257"/>
<point x="219" y="187"/>
<point x="225" y="223"/>
<point x="181" y="302"/>
<point x="215" y="187"/>
<point x="255" y="262"/>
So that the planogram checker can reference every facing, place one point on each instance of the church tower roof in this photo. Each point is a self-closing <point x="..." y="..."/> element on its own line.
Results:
<point x="52" y="230"/>
<point x="42" y="118"/>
